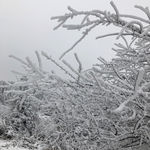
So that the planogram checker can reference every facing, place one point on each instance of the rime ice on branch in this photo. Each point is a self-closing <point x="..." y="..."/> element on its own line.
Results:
<point x="138" y="27"/>
<point x="104" y="107"/>
<point x="127" y="75"/>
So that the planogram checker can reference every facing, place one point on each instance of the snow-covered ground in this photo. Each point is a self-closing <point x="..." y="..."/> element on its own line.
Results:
<point x="9" y="145"/>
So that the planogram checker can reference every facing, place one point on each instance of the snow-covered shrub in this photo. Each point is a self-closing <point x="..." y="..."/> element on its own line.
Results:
<point x="126" y="77"/>
<point x="106" y="107"/>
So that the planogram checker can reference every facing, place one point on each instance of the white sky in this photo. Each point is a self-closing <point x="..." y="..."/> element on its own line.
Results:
<point x="25" y="26"/>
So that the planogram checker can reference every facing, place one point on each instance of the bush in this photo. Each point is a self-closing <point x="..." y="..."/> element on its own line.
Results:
<point x="106" y="107"/>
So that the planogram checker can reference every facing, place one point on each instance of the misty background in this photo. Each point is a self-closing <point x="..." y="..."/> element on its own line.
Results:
<point x="25" y="27"/>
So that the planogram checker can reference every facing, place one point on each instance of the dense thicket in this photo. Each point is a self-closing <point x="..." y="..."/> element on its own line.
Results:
<point x="106" y="107"/>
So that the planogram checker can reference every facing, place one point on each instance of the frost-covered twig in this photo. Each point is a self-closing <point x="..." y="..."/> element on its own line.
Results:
<point x="39" y="59"/>
<point x="115" y="8"/>
<point x="103" y="17"/>
<point x="112" y="34"/>
<point x="34" y="67"/>
<point x="145" y="10"/>
<point x="78" y="41"/>
<point x="18" y="59"/>
<point x="50" y="58"/>
<point x="134" y="17"/>
<point x="139" y="79"/>
<point x="129" y="24"/>
<point x="80" y="66"/>
<point x="78" y="73"/>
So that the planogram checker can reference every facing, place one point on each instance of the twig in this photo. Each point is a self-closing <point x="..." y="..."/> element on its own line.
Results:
<point x="112" y="34"/>
<point x="77" y="42"/>
<point x="50" y="58"/>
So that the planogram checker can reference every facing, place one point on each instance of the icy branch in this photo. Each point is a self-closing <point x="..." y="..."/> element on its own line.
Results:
<point x="123" y="106"/>
<point x="82" y="37"/>
<point x="39" y="59"/>
<point x="139" y="79"/>
<point x="115" y="8"/>
<point x="80" y="66"/>
<point x="52" y="60"/>
<point x="102" y="18"/>
<point x="18" y="59"/>
<point x="145" y="10"/>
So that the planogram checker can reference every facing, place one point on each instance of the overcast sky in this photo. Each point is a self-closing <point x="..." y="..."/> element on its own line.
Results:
<point x="25" y="26"/>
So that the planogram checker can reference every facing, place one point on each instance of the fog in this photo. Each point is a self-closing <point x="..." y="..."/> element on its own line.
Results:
<point x="25" y="26"/>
